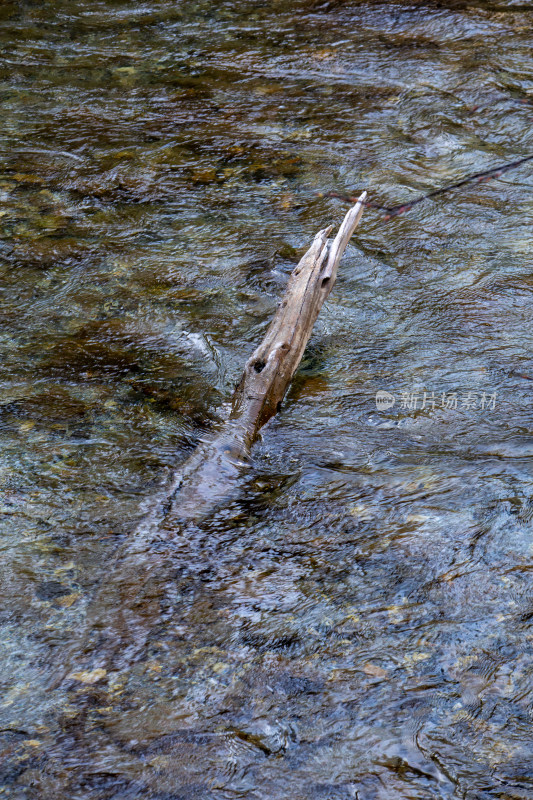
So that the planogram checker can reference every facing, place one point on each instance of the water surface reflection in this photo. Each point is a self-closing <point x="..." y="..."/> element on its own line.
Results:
<point x="357" y="622"/>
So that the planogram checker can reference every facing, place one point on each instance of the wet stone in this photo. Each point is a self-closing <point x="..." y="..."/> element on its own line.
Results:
<point x="51" y="590"/>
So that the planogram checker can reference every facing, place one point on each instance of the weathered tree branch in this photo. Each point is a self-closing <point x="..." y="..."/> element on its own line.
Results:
<point x="211" y="472"/>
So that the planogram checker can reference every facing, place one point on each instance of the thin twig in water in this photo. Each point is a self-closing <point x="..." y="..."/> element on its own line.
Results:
<point x="395" y="211"/>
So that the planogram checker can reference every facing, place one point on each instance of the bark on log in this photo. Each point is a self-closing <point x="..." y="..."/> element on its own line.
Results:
<point x="210" y="474"/>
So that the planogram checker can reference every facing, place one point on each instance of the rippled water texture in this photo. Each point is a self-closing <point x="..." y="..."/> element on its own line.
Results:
<point x="357" y="621"/>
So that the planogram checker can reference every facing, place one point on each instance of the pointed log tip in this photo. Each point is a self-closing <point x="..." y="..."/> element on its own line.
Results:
<point x="344" y="234"/>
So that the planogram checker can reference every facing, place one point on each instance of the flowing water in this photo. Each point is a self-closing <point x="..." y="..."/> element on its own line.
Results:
<point x="357" y="621"/>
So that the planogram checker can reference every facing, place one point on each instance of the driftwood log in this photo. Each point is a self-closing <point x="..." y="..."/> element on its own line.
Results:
<point x="124" y="611"/>
<point x="211" y="472"/>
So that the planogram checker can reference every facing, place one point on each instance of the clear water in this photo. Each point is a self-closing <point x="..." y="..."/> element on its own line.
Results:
<point x="357" y="622"/>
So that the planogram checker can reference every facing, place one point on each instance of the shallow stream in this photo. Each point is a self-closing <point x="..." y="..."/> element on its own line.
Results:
<point x="357" y="621"/>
